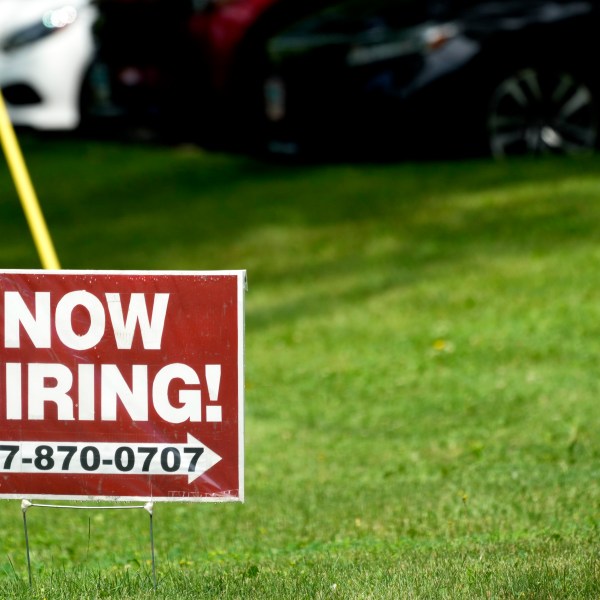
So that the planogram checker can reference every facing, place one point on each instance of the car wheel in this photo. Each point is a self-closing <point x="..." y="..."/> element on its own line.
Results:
<point x="538" y="112"/>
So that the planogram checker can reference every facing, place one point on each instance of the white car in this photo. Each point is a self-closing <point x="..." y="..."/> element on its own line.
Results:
<point x="46" y="50"/>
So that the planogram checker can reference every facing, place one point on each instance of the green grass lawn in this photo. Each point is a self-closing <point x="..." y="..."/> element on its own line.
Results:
<point x="422" y="389"/>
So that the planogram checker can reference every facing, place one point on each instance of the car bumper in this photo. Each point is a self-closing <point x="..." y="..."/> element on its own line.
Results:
<point x="53" y="72"/>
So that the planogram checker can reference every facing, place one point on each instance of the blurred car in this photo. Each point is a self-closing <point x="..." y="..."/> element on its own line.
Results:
<point x="191" y="68"/>
<point x="46" y="51"/>
<point x="231" y="38"/>
<point x="436" y="78"/>
<point x="222" y="29"/>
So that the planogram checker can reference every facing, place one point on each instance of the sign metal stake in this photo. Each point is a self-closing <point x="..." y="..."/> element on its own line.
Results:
<point x="25" y="504"/>
<point x="148" y="507"/>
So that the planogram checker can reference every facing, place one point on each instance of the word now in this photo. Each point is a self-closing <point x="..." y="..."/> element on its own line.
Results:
<point x="38" y="323"/>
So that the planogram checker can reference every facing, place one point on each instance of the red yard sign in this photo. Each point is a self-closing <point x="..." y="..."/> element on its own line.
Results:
<point x="122" y="385"/>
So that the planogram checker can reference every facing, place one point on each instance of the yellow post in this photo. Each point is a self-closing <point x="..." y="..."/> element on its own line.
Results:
<point x="29" y="201"/>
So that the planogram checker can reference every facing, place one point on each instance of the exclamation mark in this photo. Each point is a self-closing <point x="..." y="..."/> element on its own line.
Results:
<point x="213" y="381"/>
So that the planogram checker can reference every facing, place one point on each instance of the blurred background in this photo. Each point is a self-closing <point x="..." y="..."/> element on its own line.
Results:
<point x="422" y="335"/>
<point x="325" y="78"/>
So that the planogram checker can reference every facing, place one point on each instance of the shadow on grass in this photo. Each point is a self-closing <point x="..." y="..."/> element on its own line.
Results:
<point x="366" y="228"/>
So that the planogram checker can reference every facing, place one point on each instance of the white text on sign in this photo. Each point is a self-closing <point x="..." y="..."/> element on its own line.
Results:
<point x="72" y="390"/>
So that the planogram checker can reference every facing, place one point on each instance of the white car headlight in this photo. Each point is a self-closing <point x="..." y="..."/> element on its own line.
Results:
<point x="60" y="17"/>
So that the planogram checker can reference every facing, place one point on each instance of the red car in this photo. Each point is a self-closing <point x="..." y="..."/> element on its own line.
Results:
<point x="221" y="29"/>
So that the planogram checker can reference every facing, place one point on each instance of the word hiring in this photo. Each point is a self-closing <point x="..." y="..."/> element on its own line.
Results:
<point x="73" y="392"/>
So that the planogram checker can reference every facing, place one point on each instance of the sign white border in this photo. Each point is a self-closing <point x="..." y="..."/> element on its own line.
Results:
<point x="242" y="286"/>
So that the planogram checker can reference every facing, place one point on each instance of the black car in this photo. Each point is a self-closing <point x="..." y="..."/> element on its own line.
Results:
<point x="436" y="78"/>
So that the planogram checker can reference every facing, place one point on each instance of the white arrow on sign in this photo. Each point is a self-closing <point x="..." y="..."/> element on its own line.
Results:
<point x="108" y="458"/>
